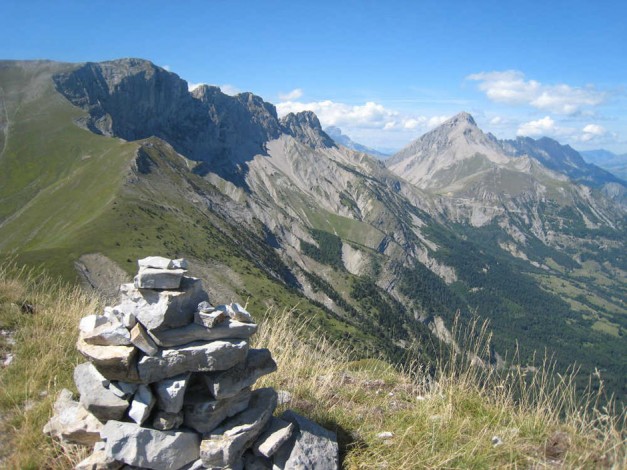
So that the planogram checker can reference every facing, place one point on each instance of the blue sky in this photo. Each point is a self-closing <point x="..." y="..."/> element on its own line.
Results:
<point x="384" y="72"/>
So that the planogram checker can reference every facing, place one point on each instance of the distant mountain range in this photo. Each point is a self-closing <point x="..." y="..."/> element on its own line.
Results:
<point x="616" y="164"/>
<point x="118" y="159"/>
<point x="336" y="134"/>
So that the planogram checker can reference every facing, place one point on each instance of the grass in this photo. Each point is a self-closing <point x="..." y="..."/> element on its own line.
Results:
<point x="445" y="420"/>
<point x="448" y="420"/>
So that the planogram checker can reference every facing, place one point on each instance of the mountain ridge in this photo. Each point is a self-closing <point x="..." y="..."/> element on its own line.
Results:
<point x="377" y="258"/>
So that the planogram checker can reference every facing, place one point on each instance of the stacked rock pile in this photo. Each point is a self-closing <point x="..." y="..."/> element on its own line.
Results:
<point x="168" y="385"/>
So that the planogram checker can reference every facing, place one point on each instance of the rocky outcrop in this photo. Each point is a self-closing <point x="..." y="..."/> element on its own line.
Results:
<point x="158" y="394"/>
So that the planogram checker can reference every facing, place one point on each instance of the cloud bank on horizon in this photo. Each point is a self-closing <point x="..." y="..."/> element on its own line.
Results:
<point x="513" y="102"/>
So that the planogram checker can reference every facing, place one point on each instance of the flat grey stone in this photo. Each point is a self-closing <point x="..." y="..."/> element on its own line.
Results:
<point x="71" y="422"/>
<point x="193" y="357"/>
<point x="227" y="383"/>
<point x="153" y="278"/>
<point x="194" y="332"/>
<point x="114" y="362"/>
<point x="277" y="434"/>
<point x="203" y="413"/>
<point x="210" y="319"/>
<point x="98" y="460"/>
<point x="159" y="310"/>
<point x="142" y="404"/>
<point x="158" y="262"/>
<point x="312" y="446"/>
<point x="171" y="392"/>
<point x="225" y="445"/>
<point x="142" y="341"/>
<point x="124" y="313"/>
<point x="109" y="333"/>
<point x="91" y="322"/>
<point x="149" y="448"/>
<point x="95" y="394"/>
<point x="165" y="421"/>
<point x="236" y="312"/>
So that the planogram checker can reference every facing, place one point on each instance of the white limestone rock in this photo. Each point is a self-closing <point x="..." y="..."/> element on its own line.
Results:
<point x="114" y="362"/>
<point x="160" y="310"/>
<point x="277" y="433"/>
<point x="312" y="446"/>
<point x="158" y="262"/>
<point x="236" y="312"/>
<point x="194" y="332"/>
<point x="91" y="322"/>
<point x="171" y="392"/>
<point x="209" y="319"/>
<point x="152" y="278"/>
<point x="204" y="413"/>
<point x="95" y="394"/>
<point x="142" y="404"/>
<point x="71" y="422"/>
<point x="149" y="448"/>
<point x="109" y="333"/>
<point x="227" y="383"/>
<point x="124" y="313"/>
<point x="225" y="445"/>
<point x="142" y="341"/>
<point x="193" y="357"/>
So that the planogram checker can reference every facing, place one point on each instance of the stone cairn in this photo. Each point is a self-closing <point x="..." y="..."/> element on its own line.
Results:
<point x="169" y="384"/>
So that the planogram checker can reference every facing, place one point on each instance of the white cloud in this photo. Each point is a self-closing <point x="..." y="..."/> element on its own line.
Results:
<point x="511" y="87"/>
<point x="592" y="131"/>
<point x="543" y="126"/>
<point x="369" y="115"/>
<point x="370" y="123"/>
<point x="192" y="86"/>
<point x="166" y="67"/>
<point x="435" y="121"/>
<point x="292" y="95"/>
<point x="229" y="89"/>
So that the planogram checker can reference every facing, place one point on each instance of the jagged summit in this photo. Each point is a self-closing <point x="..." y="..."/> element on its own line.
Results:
<point x="305" y="127"/>
<point x="449" y="144"/>
<point x="461" y="119"/>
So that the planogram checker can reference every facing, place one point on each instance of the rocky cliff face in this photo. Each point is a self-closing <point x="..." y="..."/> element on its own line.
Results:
<point x="134" y="99"/>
